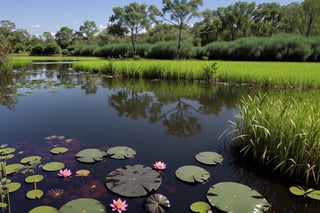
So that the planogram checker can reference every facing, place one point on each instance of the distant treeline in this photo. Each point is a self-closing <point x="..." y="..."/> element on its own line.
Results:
<point x="283" y="47"/>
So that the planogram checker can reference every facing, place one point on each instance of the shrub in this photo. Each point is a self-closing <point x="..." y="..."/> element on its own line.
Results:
<point x="52" y="48"/>
<point x="6" y="51"/>
<point x="37" y="50"/>
<point x="163" y="50"/>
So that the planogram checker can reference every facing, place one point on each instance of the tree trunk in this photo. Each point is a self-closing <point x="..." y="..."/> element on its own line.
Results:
<point x="179" y="41"/>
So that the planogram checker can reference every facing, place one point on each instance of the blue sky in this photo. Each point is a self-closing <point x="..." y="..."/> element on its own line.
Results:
<point x="38" y="16"/>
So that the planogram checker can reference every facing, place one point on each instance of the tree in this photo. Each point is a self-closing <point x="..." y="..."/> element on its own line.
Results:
<point x="293" y="20"/>
<point x="6" y="28"/>
<point x="64" y="37"/>
<point x="135" y="18"/>
<point x="88" y="30"/>
<point x="180" y="13"/>
<point x="312" y="11"/>
<point x="48" y="37"/>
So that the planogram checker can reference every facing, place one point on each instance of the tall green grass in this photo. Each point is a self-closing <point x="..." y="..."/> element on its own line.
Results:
<point x="282" y="133"/>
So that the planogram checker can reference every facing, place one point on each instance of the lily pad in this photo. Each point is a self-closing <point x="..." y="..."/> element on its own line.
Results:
<point x="87" y="205"/>
<point x="156" y="203"/>
<point x="209" y="158"/>
<point x="90" y="155"/>
<point x="59" y="150"/>
<point x="3" y="205"/>
<point x="236" y="197"/>
<point x="34" y="194"/>
<point x="300" y="191"/>
<point x="121" y="152"/>
<point x="42" y="209"/>
<point x="133" y="180"/>
<point x="34" y="178"/>
<point x="53" y="166"/>
<point x="31" y="159"/>
<point x="6" y="157"/>
<point x="7" y="151"/>
<point x="13" y="186"/>
<point x="200" y="207"/>
<point x="13" y="168"/>
<point x="82" y="173"/>
<point x="192" y="174"/>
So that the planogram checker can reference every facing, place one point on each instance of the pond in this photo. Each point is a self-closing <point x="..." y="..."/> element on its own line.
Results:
<point x="48" y="107"/>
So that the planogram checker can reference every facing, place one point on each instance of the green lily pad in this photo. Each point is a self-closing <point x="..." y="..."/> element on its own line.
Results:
<point x="297" y="190"/>
<point x="13" y="186"/>
<point x="31" y="159"/>
<point x="90" y="155"/>
<point x="6" y="157"/>
<point x="192" y="174"/>
<point x="34" y="178"/>
<point x="121" y="152"/>
<point x="42" y="209"/>
<point x="87" y="205"/>
<point x="13" y="168"/>
<point x="156" y="203"/>
<point x="236" y="197"/>
<point x="200" y="207"/>
<point x="53" y="166"/>
<point x="314" y="194"/>
<point x="82" y="173"/>
<point x="7" y="151"/>
<point x="3" y="205"/>
<point x="209" y="158"/>
<point x="133" y="180"/>
<point x="34" y="194"/>
<point x="59" y="150"/>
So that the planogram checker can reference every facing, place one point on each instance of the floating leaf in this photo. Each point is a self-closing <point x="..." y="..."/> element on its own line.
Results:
<point x="82" y="173"/>
<point x="6" y="151"/>
<point x="3" y="205"/>
<point x="14" y="186"/>
<point x="34" y="194"/>
<point x="192" y="174"/>
<point x="42" y="209"/>
<point x="200" y="207"/>
<point x="3" y="146"/>
<point x="133" y="180"/>
<point x="297" y="190"/>
<point x="59" y="150"/>
<point x="121" y="152"/>
<point x="6" y="157"/>
<point x="31" y="159"/>
<point x="87" y="205"/>
<point x="90" y="155"/>
<point x="13" y="168"/>
<point x="209" y="158"/>
<point x="156" y="203"/>
<point x="34" y="178"/>
<point x="53" y="166"/>
<point x="236" y="197"/>
<point x="314" y="194"/>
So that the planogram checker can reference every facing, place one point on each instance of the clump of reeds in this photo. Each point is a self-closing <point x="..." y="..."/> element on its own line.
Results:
<point x="282" y="133"/>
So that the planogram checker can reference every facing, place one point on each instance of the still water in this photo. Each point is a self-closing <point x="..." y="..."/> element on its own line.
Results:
<point x="167" y="121"/>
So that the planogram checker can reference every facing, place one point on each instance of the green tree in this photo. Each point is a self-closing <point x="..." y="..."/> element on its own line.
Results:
<point x="6" y="29"/>
<point x="135" y="18"/>
<point x="64" y="37"/>
<point x="312" y="12"/>
<point x="180" y="13"/>
<point x="48" y="37"/>
<point x="88" y="30"/>
<point x="293" y="19"/>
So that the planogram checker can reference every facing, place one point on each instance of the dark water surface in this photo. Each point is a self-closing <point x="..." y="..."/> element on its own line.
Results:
<point x="171" y="122"/>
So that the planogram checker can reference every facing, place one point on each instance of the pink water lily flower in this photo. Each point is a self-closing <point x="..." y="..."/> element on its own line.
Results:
<point x="159" y="165"/>
<point x="119" y="205"/>
<point x="65" y="173"/>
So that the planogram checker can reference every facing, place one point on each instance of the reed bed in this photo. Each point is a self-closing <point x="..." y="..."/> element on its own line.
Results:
<point x="282" y="133"/>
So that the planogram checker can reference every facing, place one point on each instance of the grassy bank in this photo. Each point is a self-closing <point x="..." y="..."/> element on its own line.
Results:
<point x="281" y="132"/>
<point x="269" y="74"/>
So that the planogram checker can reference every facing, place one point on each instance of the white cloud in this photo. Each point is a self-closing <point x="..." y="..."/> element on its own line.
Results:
<point x="36" y="26"/>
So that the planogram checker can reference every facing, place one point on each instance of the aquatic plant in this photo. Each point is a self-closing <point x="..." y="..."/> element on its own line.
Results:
<point x="55" y="193"/>
<point x="159" y="165"/>
<point x="281" y="133"/>
<point x="65" y="173"/>
<point x="119" y="205"/>
<point x="82" y="173"/>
